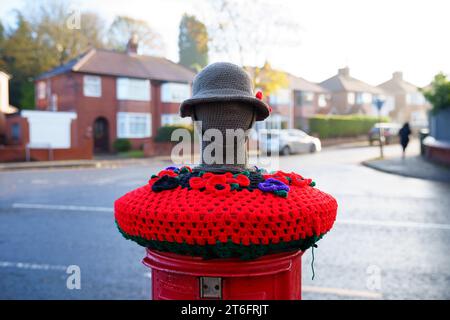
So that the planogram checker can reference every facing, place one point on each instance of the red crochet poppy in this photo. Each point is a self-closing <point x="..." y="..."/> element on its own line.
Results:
<point x="197" y="182"/>
<point x="278" y="176"/>
<point x="169" y="173"/>
<point x="243" y="180"/>
<point x="218" y="184"/>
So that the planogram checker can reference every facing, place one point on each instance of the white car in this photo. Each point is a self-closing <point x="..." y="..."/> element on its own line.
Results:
<point x="288" y="141"/>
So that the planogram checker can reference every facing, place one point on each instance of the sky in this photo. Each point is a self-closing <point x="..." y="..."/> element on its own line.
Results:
<point x="373" y="38"/>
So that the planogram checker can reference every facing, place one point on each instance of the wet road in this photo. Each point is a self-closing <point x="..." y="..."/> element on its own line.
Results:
<point x="391" y="239"/>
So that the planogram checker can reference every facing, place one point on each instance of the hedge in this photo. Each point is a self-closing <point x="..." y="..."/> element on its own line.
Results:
<point x="334" y="126"/>
<point x="164" y="133"/>
<point x="122" y="145"/>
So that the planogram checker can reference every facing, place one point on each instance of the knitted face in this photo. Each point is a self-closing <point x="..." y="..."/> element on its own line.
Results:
<point x="230" y="119"/>
<point x="225" y="115"/>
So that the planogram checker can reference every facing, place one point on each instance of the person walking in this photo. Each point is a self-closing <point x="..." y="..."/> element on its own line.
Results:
<point x="404" y="133"/>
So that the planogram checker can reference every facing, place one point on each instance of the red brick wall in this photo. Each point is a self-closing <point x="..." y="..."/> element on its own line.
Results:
<point x="437" y="154"/>
<point x="15" y="150"/>
<point x="24" y="137"/>
<point x="65" y="86"/>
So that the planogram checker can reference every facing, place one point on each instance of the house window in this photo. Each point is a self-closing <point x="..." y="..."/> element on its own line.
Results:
<point x="92" y="86"/>
<point x="304" y="98"/>
<point x="307" y="97"/>
<point x="322" y="100"/>
<point x="350" y="98"/>
<point x="281" y="97"/>
<point x="15" y="131"/>
<point x="416" y="99"/>
<point x="133" y="89"/>
<point x="175" y="92"/>
<point x="170" y="119"/>
<point x="133" y="125"/>
<point x="363" y="98"/>
<point x="41" y="89"/>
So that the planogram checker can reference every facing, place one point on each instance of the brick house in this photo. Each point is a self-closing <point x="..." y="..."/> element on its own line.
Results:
<point x="294" y="105"/>
<point x="116" y="95"/>
<point x="404" y="101"/>
<point x="349" y="95"/>
<point x="309" y="99"/>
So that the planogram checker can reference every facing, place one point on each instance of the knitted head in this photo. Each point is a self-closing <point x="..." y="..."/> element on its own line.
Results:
<point x="224" y="134"/>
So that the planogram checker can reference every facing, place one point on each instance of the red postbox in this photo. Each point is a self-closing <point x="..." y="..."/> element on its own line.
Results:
<point x="270" y="277"/>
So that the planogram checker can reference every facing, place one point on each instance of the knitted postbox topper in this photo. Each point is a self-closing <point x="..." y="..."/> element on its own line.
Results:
<point x="225" y="215"/>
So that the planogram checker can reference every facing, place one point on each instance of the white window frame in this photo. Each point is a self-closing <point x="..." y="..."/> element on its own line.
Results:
<point x="351" y="98"/>
<point x="42" y="90"/>
<point x="307" y="97"/>
<point x="170" y="119"/>
<point x="363" y="98"/>
<point x="92" y="86"/>
<point x="322" y="100"/>
<point x="128" y="121"/>
<point x="173" y="92"/>
<point x="415" y="99"/>
<point x="133" y="89"/>
<point x="282" y="96"/>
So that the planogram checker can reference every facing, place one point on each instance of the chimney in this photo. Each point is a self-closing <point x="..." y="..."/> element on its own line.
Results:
<point x="398" y="75"/>
<point x="133" y="43"/>
<point x="345" y="72"/>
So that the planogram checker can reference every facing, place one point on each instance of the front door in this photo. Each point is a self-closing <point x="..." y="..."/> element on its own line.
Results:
<point x="101" y="135"/>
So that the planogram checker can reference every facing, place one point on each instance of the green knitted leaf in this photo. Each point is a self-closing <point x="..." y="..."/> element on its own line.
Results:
<point x="234" y="186"/>
<point x="281" y="193"/>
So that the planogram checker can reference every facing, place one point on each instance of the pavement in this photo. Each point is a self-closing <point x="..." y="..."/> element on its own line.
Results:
<point x="411" y="166"/>
<point x="94" y="163"/>
<point x="390" y="241"/>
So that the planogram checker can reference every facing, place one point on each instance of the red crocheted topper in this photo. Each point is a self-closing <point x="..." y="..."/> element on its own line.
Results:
<point x="218" y="209"/>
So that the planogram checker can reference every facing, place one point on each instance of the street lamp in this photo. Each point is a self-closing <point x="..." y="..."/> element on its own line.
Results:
<point x="379" y="104"/>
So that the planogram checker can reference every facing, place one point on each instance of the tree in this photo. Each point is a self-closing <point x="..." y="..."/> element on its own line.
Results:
<point x="20" y="60"/>
<point x="43" y="39"/>
<point x="59" y="39"/>
<point x="267" y="79"/>
<point x="439" y="93"/>
<point x="123" y="28"/>
<point x="248" y="32"/>
<point x="193" y="43"/>
<point x="2" y="46"/>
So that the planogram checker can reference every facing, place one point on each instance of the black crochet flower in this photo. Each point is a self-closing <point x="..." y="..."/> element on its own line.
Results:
<point x="165" y="183"/>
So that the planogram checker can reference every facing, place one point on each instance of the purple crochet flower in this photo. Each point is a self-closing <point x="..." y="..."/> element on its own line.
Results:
<point x="172" y="168"/>
<point x="272" y="185"/>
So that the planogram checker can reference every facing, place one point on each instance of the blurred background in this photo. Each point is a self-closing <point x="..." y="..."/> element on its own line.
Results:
<point x="89" y="98"/>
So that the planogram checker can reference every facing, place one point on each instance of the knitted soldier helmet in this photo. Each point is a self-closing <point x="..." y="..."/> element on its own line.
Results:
<point x="223" y="81"/>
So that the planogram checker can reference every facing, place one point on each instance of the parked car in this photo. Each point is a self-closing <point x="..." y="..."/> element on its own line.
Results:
<point x="288" y="141"/>
<point x="390" y="132"/>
